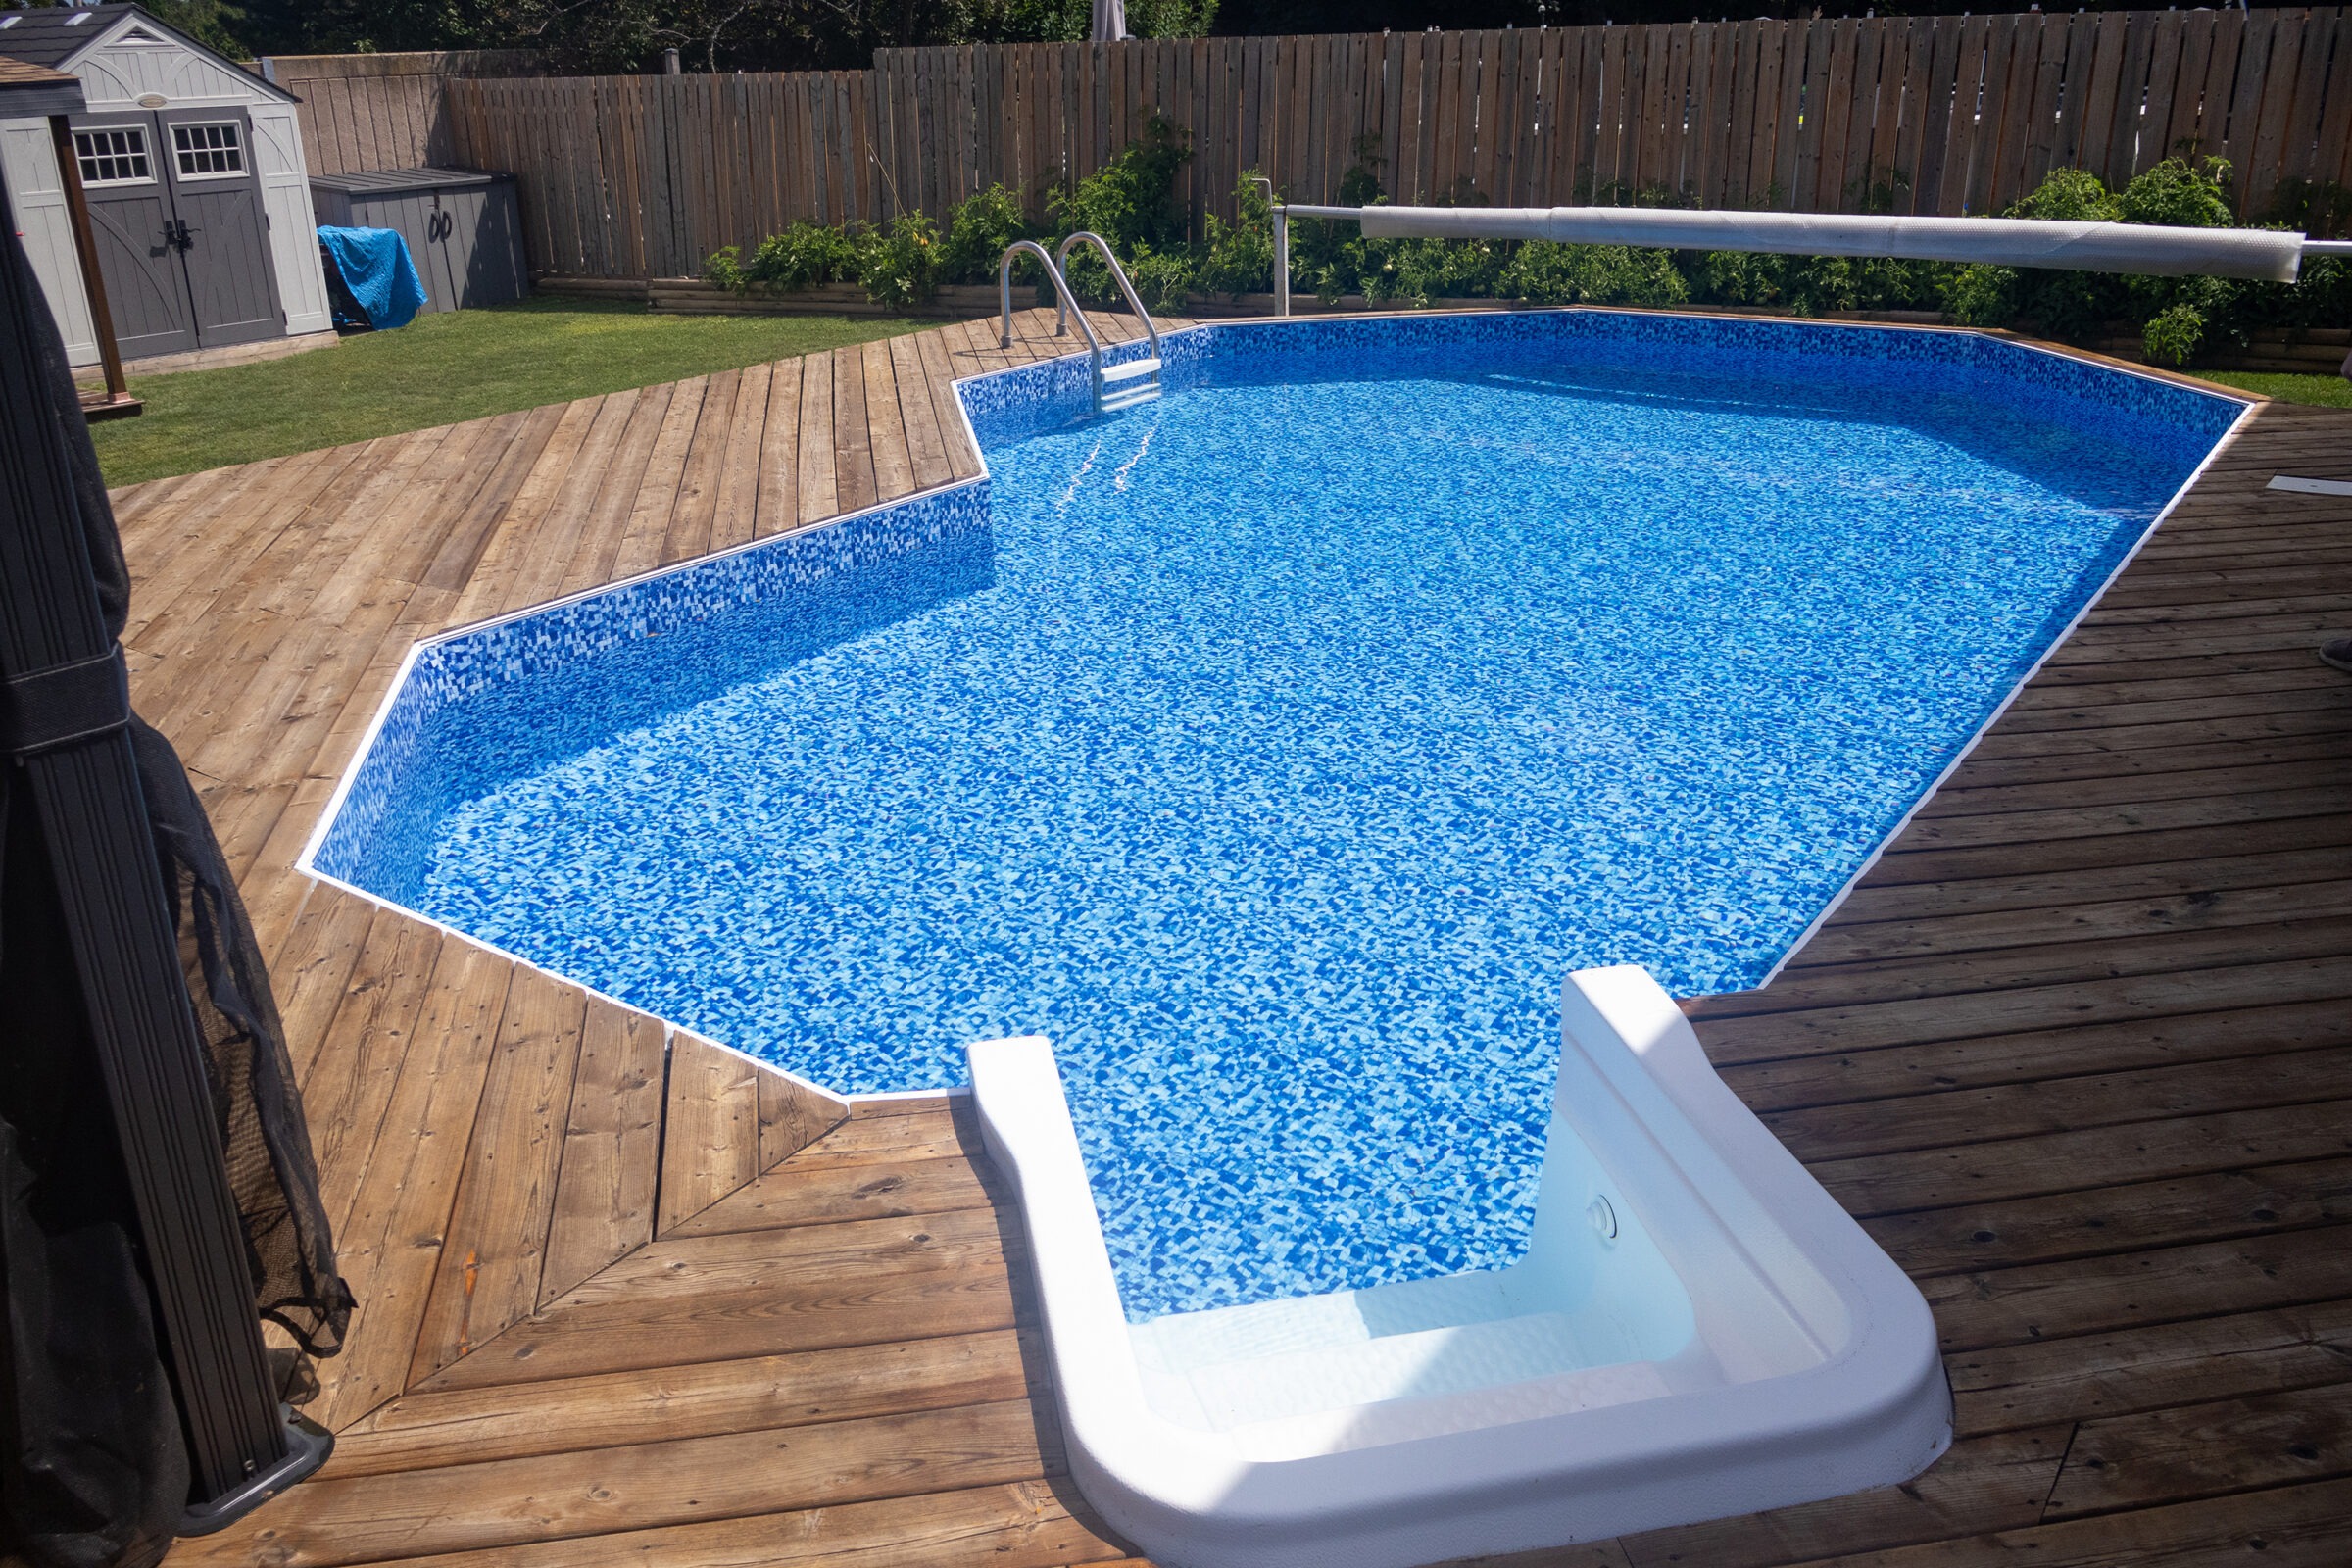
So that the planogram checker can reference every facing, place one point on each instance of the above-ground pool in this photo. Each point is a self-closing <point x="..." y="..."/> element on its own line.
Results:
<point x="1277" y="747"/>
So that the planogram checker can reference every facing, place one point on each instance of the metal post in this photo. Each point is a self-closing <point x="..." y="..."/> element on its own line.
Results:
<point x="1281" y="261"/>
<point x="58" y="655"/>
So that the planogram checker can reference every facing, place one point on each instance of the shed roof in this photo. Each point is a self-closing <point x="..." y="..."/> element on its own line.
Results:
<point x="54" y="35"/>
<point x="399" y="181"/>
<point x="28" y="89"/>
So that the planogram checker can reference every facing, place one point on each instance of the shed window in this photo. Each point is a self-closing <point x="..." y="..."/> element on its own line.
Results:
<point x="208" y="152"/>
<point x="113" y="157"/>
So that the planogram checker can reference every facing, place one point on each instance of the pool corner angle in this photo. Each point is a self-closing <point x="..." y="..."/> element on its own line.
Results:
<point x="1482" y="1413"/>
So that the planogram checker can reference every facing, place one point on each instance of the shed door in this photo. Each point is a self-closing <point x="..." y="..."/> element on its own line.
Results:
<point x="133" y="220"/>
<point x="217" y="194"/>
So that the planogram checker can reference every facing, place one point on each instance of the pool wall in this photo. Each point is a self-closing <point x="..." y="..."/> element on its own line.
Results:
<point x="2172" y="419"/>
<point x="598" y="659"/>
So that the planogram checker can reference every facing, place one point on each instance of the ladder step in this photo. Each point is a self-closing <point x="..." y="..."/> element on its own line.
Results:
<point x="1130" y="370"/>
<point x="1129" y="397"/>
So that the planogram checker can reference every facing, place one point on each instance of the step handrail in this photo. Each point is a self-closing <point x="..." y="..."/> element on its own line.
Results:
<point x="1061" y="290"/>
<point x="1118" y="275"/>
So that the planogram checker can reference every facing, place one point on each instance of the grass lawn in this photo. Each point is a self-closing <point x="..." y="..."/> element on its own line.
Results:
<point x="459" y="365"/>
<point x="2328" y="391"/>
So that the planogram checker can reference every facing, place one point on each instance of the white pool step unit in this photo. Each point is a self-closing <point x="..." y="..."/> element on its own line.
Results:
<point x="1127" y="384"/>
<point x="1697" y="1330"/>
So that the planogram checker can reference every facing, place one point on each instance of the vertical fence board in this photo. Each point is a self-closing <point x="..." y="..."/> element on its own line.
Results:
<point x="2287" y="80"/>
<point x="2256" y="29"/>
<point x="1992" y="105"/>
<point x="2331" y="153"/>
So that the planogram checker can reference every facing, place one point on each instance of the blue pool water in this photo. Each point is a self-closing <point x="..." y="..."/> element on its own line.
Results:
<point x="1278" y="748"/>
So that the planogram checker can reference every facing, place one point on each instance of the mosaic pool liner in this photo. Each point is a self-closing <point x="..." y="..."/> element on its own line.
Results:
<point x="484" y="705"/>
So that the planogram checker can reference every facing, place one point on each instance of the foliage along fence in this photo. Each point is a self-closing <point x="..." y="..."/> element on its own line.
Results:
<point x="384" y="110"/>
<point x="638" y="177"/>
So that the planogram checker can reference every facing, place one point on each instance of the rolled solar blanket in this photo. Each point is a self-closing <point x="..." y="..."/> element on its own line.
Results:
<point x="2271" y="254"/>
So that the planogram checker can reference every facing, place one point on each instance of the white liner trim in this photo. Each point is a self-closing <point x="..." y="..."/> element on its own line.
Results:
<point x="2000" y="708"/>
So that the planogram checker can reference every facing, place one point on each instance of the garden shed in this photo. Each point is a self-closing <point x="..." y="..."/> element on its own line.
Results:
<point x="198" y="197"/>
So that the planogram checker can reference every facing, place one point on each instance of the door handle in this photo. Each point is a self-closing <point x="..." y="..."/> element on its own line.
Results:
<point x="178" y="235"/>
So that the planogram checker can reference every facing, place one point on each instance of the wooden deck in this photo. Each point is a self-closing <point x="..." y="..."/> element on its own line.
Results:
<point x="2078" y="1053"/>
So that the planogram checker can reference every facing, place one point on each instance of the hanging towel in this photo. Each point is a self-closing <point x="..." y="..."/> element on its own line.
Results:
<point x="377" y="269"/>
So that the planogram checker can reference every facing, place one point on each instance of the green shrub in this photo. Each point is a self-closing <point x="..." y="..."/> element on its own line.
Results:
<point x="1237" y="258"/>
<point x="982" y="225"/>
<point x="1161" y="279"/>
<point x="1419" y="271"/>
<point x="2176" y="193"/>
<point x="809" y="254"/>
<point x="2174" y="336"/>
<point x="1810" y="285"/>
<point x="724" y="269"/>
<point x="1545" y="273"/>
<point x="901" y="268"/>
<point x="1131" y="199"/>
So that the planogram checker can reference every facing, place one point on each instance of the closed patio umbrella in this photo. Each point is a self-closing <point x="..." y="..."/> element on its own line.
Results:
<point x="158" y="1198"/>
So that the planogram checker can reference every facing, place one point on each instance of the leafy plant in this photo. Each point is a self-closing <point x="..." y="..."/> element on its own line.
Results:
<point x="1811" y="285"/>
<point x="1161" y="279"/>
<point x="808" y="253"/>
<point x="1237" y="258"/>
<point x="901" y="267"/>
<point x="982" y="225"/>
<point x="1545" y="273"/>
<point x="2178" y="193"/>
<point x="2174" y="336"/>
<point x="1131" y="199"/>
<point x="724" y="269"/>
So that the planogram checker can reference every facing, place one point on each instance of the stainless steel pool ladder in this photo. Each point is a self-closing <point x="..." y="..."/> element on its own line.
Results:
<point x="1117" y="386"/>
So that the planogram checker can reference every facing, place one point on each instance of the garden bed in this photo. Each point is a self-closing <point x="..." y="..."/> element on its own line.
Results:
<point x="2311" y="351"/>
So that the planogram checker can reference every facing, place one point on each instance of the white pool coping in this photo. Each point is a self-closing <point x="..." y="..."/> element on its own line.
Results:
<point x="1822" y="1373"/>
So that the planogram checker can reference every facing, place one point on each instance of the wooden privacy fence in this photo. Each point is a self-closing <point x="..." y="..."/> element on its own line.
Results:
<point x="637" y="177"/>
<point x="387" y="111"/>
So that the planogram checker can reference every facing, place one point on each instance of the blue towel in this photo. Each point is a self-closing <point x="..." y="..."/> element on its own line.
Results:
<point x="376" y="268"/>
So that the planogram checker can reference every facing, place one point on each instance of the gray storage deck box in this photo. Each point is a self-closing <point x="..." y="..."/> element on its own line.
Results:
<point x="462" y="227"/>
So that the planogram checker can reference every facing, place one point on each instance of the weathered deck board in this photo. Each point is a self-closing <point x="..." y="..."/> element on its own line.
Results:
<point x="2074" y="1048"/>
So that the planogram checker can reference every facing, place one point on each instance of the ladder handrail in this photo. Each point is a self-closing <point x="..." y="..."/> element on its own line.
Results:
<point x="1061" y="291"/>
<point x="1118" y="275"/>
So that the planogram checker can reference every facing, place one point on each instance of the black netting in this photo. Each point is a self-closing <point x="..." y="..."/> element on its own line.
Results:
<point x="259" y="1106"/>
<point x="91" y="1466"/>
